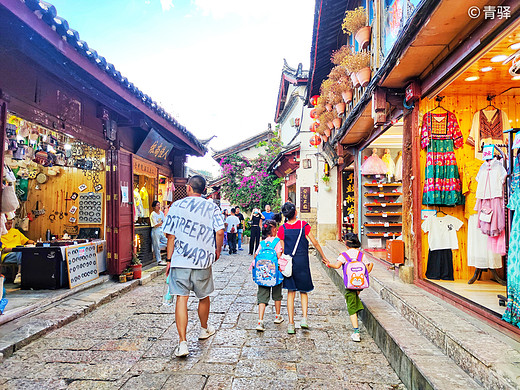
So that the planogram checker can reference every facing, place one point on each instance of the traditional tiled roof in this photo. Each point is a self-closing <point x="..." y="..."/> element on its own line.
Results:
<point x="293" y="76"/>
<point x="47" y="12"/>
<point x="242" y="145"/>
<point x="326" y="37"/>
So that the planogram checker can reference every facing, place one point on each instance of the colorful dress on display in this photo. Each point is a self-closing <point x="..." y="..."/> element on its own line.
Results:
<point x="387" y="159"/>
<point x="477" y="247"/>
<point x="440" y="133"/>
<point x="374" y="166"/>
<point x="488" y="128"/>
<point x="146" y="203"/>
<point x="512" y="314"/>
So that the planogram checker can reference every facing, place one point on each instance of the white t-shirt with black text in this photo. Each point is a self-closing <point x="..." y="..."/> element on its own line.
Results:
<point x="442" y="232"/>
<point x="193" y="221"/>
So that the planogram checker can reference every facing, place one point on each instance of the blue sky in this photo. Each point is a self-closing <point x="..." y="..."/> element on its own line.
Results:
<point x="214" y="64"/>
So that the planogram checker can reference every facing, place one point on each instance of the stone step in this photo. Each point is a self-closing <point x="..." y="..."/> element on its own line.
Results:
<point x="428" y="342"/>
<point x="63" y="309"/>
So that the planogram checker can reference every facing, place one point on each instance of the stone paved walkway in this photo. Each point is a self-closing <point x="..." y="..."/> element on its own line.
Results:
<point x="128" y="344"/>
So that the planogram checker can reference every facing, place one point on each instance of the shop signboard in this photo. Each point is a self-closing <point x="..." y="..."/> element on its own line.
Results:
<point x="305" y="199"/>
<point x="348" y="200"/>
<point x="82" y="264"/>
<point x="155" y="148"/>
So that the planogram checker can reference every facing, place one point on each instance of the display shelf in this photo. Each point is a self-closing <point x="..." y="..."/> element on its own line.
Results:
<point x="384" y="215"/>
<point x="383" y="193"/>
<point x="384" y="204"/>
<point x="368" y="224"/>
<point x="382" y="184"/>
<point x="385" y="235"/>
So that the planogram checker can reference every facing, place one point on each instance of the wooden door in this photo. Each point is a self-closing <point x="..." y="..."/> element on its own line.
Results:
<point x="120" y="216"/>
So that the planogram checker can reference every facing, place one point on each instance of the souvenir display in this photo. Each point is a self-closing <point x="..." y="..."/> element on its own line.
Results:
<point x="90" y="209"/>
<point x="440" y="134"/>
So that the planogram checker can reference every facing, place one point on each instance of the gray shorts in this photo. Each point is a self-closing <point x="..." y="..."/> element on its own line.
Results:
<point x="184" y="280"/>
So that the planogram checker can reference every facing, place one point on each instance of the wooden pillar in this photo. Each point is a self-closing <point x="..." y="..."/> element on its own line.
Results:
<point x="357" y="168"/>
<point x="411" y="196"/>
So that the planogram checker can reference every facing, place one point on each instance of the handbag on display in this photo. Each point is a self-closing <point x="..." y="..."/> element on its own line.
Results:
<point x="9" y="199"/>
<point x="485" y="215"/>
<point x="287" y="260"/>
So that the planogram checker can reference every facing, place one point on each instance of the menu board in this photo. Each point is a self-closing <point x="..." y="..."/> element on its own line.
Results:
<point x="82" y="264"/>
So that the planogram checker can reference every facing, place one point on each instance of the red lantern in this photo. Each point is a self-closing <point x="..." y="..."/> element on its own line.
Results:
<point x="315" y="140"/>
<point x="314" y="100"/>
<point x="314" y="127"/>
<point x="313" y="114"/>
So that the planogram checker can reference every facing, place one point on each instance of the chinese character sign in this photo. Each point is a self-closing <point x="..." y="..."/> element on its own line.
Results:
<point x="348" y="200"/>
<point x="155" y="147"/>
<point x="305" y="199"/>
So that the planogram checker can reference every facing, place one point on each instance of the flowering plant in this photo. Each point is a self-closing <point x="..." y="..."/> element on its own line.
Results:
<point x="354" y="20"/>
<point x="248" y="183"/>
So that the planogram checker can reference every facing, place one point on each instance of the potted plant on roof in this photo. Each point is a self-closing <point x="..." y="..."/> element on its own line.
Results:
<point x="364" y="73"/>
<point x="355" y="23"/>
<point x="327" y="118"/>
<point x="137" y="266"/>
<point x="336" y="91"/>
<point x="351" y="65"/>
<point x="324" y="92"/>
<point x="338" y="55"/>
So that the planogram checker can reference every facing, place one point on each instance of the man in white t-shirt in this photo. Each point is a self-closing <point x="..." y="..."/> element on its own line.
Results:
<point x="232" y="224"/>
<point x="195" y="230"/>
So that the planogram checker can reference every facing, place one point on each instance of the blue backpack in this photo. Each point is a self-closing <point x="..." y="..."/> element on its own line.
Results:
<point x="265" y="269"/>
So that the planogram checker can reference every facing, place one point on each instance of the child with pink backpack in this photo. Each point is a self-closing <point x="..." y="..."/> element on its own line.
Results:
<point x="355" y="277"/>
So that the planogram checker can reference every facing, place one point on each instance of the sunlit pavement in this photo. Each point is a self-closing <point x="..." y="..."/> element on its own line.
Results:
<point x="129" y="342"/>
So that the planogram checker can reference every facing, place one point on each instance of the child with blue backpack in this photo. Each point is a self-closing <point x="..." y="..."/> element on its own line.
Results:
<point x="355" y="277"/>
<point x="266" y="273"/>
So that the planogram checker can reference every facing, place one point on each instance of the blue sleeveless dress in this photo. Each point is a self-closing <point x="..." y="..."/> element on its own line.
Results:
<point x="301" y="279"/>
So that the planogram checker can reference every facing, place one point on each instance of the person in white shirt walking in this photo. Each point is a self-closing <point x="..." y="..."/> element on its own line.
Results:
<point x="158" y="237"/>
<point x="232" y="223"/>
<point x="195" y="230"/>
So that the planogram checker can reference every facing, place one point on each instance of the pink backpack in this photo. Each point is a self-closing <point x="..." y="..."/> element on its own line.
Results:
<point x="355" y="273"/>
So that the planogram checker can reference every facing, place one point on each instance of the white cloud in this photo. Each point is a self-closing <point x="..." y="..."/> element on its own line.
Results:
<point x="166" y="5"/>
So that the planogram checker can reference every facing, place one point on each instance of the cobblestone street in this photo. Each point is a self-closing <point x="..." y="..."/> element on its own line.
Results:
<point x="129" y="342"/>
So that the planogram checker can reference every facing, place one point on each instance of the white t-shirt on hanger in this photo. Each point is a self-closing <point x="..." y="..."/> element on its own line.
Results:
<point x="442" y="232"/>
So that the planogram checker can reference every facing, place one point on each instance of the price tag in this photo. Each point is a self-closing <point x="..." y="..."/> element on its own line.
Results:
<point x="380" y="185"/>
<point x="381" y="195"/>
<point x="387" y="224"/>
<point x="488" y="151"/>
<point x="386" y="234"/>
<point x="385" y="215"/>
<point x="383" y="204"/>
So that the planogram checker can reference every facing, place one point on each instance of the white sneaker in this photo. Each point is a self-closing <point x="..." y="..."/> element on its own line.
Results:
<point x="260" y="327"/>
<point x="278" y="319"/>
<point x="18" y="278"/>
<point x="206" y="333"/>
<point x="303" y="323"/>
<point x="356" y="337"/>
<point x="182" y="349"/>
<point x="161" y="263"/>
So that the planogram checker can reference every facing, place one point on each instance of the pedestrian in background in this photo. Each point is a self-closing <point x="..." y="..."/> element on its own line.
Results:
<point x="240" y="231"/>
<point x="158" y="238"/>
<point x="256" y="224"/>
<point x="232" y="223"/>
<point x="354" y="304"/>
<point x="194" y="228"/>
<point x="295" y="234"/>
<point x="267" y="214"/>
<point x="225" y="214"/>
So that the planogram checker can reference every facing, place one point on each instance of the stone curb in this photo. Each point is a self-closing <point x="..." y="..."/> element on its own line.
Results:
<point x="417" y="362"/>
<point x="22" y="331"/>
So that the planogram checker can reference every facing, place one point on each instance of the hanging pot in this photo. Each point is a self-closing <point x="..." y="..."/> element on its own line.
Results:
<point x="340" y="108"/>
<point x="364" y="76"/>
<point x="363" y="37"/>
<point x="330" y="124"/>
<point x="337" y="122"/>
<point x="327" y="132"/>
<point x="347" y="96"/>
<point x="355" y="80"/>
<point x="328" y="106"/>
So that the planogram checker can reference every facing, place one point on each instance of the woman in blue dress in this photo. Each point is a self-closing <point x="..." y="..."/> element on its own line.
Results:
<point x="300" y="279"/>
